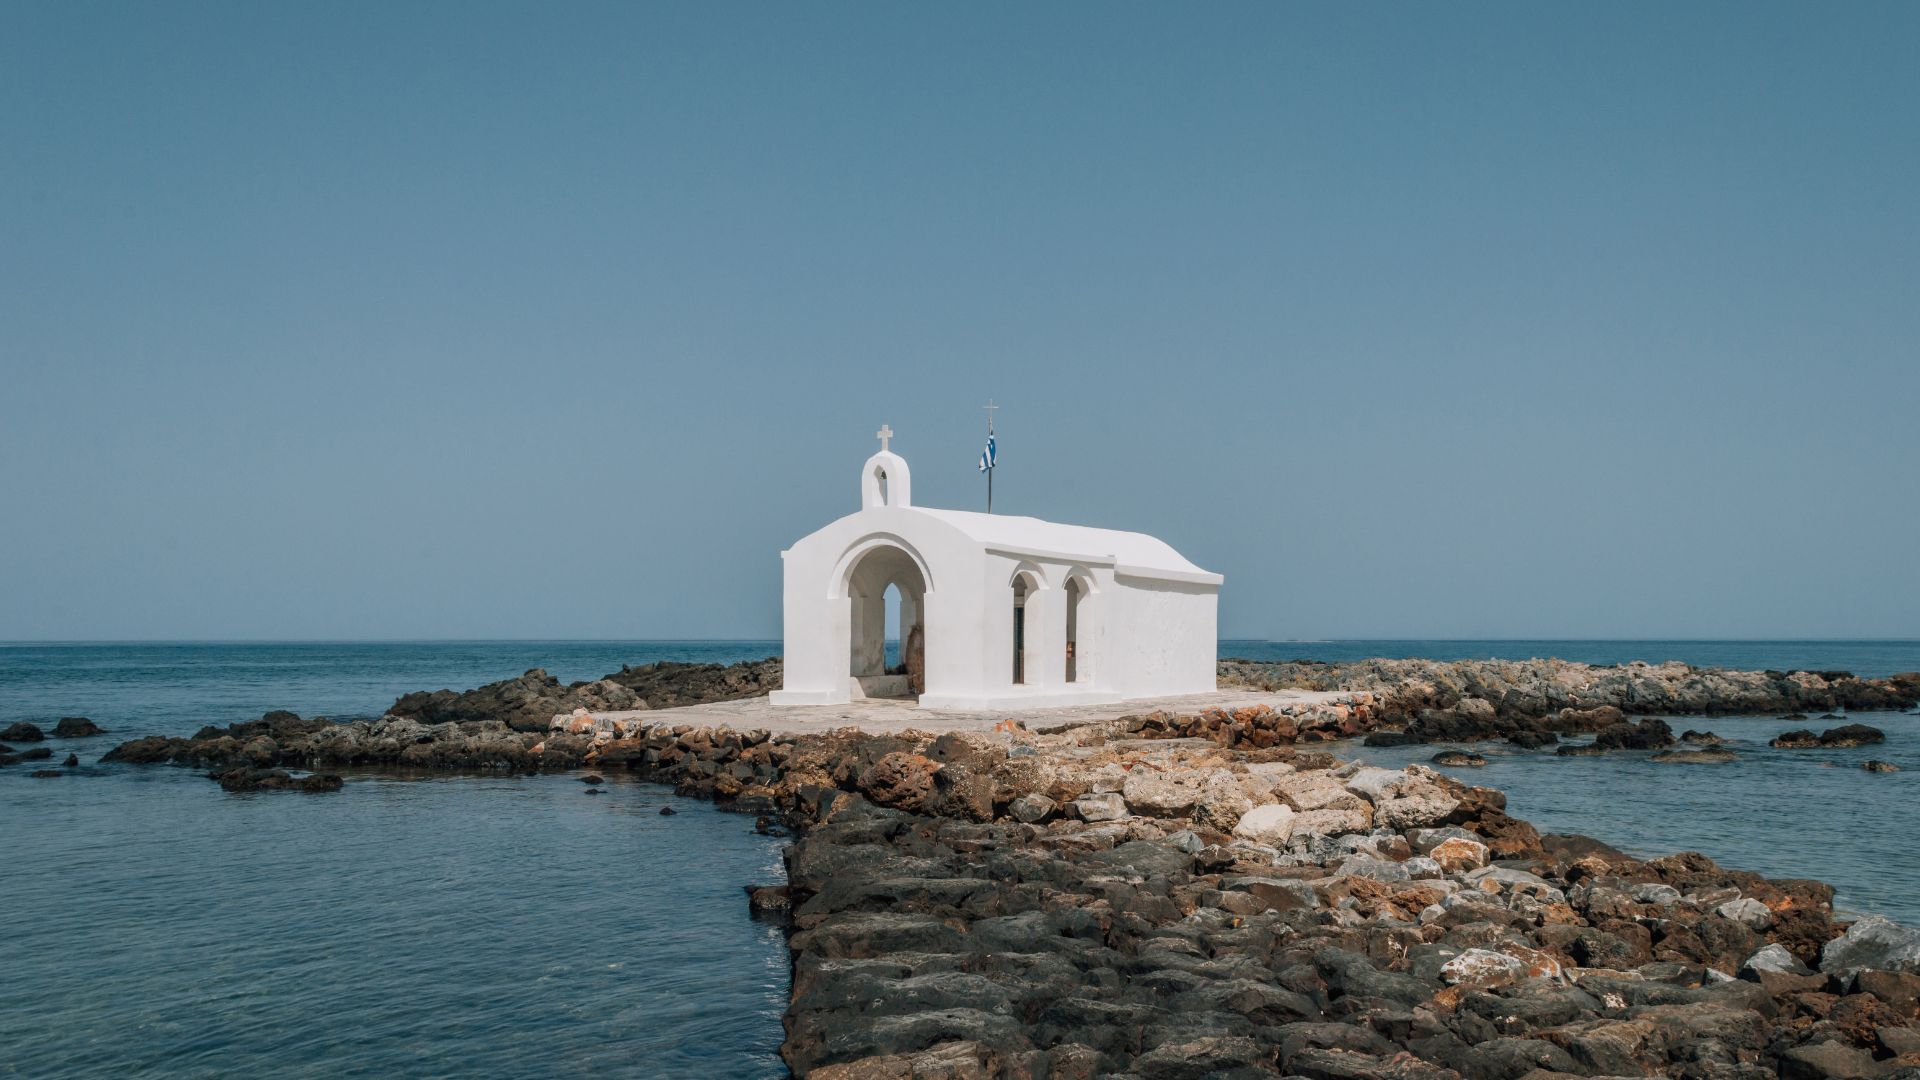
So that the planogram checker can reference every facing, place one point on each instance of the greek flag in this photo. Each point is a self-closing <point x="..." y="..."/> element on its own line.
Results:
<point x="987" y="458"/>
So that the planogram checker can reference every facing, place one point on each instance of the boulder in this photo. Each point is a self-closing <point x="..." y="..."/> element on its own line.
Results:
<point x="22" y="732"/>
<point x="1150" y="792"/>
<point x="1879" y="766"/>
<point x="1851" y="735"/>
<point x="1483" y="969"/>
<point x="1101" y="806"/>
<point x="1032" y="808"/>
<point x="1748" y="912"/>
<point x="1799" y="739"/>
<point x="1647" y="734"/>
<point x="76" y="727"/>
<point x="1874" y="942"/>
<point x="1459" y="758"/>
<point x="1457" y="855"/>
<point x="1270" y="824"/>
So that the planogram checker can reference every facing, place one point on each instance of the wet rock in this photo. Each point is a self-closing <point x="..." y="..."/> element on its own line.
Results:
<point x="1800" y="739"/>
<point x="593" y="778"/>
<point x="1851" y="735"/>
<point x="1874" y="765"/>
<point x="1712" y="756"/>
<point x="1459" y="758"/>
<point x="246" y="778"/>
<point x="35" y="753"/>
<point x="668" y="811"/>
<point x="76" y="727"/>
<point x="22" y="732"/>
<point x="45" y="774"/>
<point x="1648" y="733"/>
<point x="1533" y="740"/>
<point x="1701" y="738"/>
<point x="1874" y="942"/>
<point x="72" y="761"/>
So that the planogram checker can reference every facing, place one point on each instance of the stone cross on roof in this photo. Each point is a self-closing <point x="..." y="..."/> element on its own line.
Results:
<point x="883" y="435"/>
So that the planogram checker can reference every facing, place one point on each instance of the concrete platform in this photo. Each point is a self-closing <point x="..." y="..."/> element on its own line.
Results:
<point x="899" y="714"/>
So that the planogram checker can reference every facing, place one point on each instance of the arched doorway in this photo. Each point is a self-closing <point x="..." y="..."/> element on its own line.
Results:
<point x="879" y="570"/>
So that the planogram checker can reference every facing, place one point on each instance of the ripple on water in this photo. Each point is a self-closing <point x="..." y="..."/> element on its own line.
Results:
<point x="489" y="927"/>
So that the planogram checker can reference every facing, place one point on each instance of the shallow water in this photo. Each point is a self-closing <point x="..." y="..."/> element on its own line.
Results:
<point x="160" y="927"/>
<point x="1784" y="813"/>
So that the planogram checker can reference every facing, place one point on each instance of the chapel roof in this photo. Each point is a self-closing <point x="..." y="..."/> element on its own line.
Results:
<point x="1127" y="549"/>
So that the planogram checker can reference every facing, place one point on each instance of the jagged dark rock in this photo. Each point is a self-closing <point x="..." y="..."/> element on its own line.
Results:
<point x="22" y="732"/>
<point x="76" y="727"/>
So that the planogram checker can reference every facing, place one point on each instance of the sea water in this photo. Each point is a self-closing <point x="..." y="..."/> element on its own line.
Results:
<point x="519" y="927"/>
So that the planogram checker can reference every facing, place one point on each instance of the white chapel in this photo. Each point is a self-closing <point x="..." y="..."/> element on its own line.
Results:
<point x="994" y="610"/>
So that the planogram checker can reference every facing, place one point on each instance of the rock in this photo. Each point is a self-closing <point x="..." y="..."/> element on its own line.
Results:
<point x="22" y="732"/>
<point x="1800" y="739"/>
<point x="593" y="791"/>
<point x="593" y="778"/>
<point x="72" y="760"/>
<point x="1879" y="766"/>
<point x="45" y="774"/>
<point x="76" y="727"/>
<point x="1270" y="824"/>
<point x="1483" y="969"/>
<point x="1828" y="1061"/>
<point x="1747" y="912"/>
<point x="668" y="811"/>
<point x="1647" y="734"/>
<point x="1874" y="942"/>
<point x="1102" y="806"/>
<point x="768" y="899"/>
<point x="1458" y="758"/>
<point x="1713" y="756"/>
<point x="244" y="778"/>
<point x="35" y="753"/>
<point x="1152" y="793"/>
<point x="1775" y="958"/>
<point x="1032" y="808"/>
<point x="1457" y="855"/>
<point x="1701" y="738"/>
<point x="1846" y="736"/>
<point x="1222" y="802"/>
<point x="1533" y="740"/>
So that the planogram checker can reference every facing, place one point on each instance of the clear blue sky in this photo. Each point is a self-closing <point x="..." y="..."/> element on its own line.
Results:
<point x="470" y="320"/>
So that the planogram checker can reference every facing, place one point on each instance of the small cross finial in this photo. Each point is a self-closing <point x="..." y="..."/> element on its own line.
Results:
<point x="883" y="435"/>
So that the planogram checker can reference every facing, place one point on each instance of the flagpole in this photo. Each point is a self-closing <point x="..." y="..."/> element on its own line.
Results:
<point x="990" y="407"/>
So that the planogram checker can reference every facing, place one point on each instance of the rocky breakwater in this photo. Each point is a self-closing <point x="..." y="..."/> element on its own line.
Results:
<point x="492" y="728"/>
<point x="1533" y="702"/>
<point x="1126" y="899"/>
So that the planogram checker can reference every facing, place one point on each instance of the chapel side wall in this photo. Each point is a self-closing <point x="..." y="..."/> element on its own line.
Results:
<point x="1165" y="638"/>
<point x="816" y="637"/>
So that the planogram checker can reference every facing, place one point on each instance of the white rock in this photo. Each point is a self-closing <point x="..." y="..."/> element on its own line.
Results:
<point x="1269" y="824"/>
<point x="1874" y="942"/>
<point x="1101" y="806"/>
<point x="1775" y="958"/>
<point x="1746" y="911"/>
<point x="1483" y="968"/>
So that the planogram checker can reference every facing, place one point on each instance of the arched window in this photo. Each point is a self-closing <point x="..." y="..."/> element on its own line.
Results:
<point x="1024" y="663"/>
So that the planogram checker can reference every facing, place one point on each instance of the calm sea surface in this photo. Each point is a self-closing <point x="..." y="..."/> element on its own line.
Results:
<point x="521" y="928"/>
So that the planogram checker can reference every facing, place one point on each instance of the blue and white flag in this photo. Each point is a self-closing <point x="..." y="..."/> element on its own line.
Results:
<point x="987" y="459"/>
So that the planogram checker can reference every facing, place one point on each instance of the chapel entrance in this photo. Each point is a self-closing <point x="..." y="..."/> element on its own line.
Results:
<point x="887" y="573"/>
<point x="1023" y="587"/>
